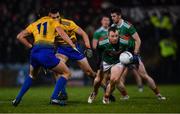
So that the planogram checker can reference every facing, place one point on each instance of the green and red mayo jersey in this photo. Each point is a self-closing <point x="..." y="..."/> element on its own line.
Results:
<point x="109" y="52"/>
<point x="100" y="34"/>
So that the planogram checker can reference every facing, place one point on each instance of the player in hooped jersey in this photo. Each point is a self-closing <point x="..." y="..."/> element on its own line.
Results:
<point x="42" y="53"/>
<point x="100" y="35"/>
<point x="66" y="52"/>
<point x="109" y="51"/>
<point x="128" y="32"/>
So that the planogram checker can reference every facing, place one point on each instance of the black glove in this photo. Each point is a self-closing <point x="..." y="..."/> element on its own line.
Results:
<point x="88" y="52"/>
<point x="135" y="59"/>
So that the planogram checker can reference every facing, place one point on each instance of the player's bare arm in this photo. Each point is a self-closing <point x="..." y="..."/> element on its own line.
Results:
<point x="84" y="36"/>
<point x="137" y="42"/>
<point x="64" y="36"/>
<point x="22" y="38"/>
<point x="94" y="43"/>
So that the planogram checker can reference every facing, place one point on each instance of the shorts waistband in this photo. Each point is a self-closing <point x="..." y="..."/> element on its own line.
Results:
<point x="66" y="44"/>
<point x="42" y="45"/>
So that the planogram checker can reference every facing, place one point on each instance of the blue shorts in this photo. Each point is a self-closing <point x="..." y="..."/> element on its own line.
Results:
<point x="43" y="56"/>
<point x="70" y="52"/>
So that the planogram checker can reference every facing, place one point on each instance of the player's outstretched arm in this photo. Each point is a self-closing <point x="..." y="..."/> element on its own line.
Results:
<point x="22" y="38"/>
<point x="84" y="36"/>
<point x="137" y="42"/>
<point x="64" y="36"/>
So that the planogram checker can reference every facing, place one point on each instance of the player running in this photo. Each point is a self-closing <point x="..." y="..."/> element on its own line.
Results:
<point x="42" y="53"/>
<point x="65" y="51"/>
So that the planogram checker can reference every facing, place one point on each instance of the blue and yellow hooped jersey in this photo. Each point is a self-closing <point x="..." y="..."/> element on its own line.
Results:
<point x="70" y="28"/>
<point x="43" y="30"/>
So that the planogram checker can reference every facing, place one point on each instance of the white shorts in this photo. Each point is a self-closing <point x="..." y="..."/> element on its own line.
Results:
<point x="106" y="66"/>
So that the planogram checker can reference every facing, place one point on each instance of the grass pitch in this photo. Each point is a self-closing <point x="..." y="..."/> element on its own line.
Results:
<point x="37" y="100"/>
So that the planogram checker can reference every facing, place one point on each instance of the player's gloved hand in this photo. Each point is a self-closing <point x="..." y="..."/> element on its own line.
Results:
<point x="135" y="59"/>
<point x="88" y="52"/>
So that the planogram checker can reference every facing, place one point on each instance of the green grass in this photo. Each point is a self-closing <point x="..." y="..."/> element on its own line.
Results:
<point x="37" y="100"/>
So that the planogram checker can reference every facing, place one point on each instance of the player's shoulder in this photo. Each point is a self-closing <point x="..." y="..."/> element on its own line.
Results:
<point x="101" y="29"/>
<point x="104" y="42"/>
<point x="126" y="24"/>
<point x="67" y="22"/>
<point x="113" y="25"/>
<point x="44" y="19"/>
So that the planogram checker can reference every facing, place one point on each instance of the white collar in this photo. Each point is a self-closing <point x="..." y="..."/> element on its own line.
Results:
<point x="119" y="26"/>
<point x="103" y="28"/>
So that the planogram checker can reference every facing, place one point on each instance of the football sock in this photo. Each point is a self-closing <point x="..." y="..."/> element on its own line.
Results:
<point x="140" y="86"/>
<point x="27" y="84"/>
<point x="124" y="93"/>
<point x="63" y="89"/>
<point x="60" y="86"/>
<point x="156" y="91"/>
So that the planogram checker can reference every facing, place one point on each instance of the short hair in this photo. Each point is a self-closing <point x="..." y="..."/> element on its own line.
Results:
<point x="116" y="10"/>
<point x="43" y="12"/>
<point x="114" y="29"/>
<point x="104" y="15"/>
<point x="54" y="10"/>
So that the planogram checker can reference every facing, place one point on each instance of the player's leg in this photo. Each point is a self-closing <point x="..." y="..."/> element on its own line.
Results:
<point x="138" y="80"/>
<point x="33" y="72"/>
<point x="64" y="75"/>
<point x="84" y="65"/>
<point x="121" y="87"/>
<point x="63" y="58"/>
<point x="116" y="72"/>
<point x="123" y="77"/>
<point x="142" y="72"/>
<point x="47" y="59"/>
<point x="105" y="81"/>
<point x="97" y="82"/>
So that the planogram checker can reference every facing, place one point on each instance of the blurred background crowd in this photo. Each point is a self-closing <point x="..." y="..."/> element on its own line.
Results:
<point x="157" y="22"/>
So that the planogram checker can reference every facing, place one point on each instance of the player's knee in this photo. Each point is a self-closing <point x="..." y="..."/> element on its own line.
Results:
<point x="113" y="79"/>
<point x="97" y="79"/>
<point x="90" y="73"/>
<point x="67" y="74"/>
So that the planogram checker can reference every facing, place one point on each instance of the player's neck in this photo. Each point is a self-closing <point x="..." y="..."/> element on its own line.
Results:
<point x="120" y="22"/>
<point x="105" y="27"/>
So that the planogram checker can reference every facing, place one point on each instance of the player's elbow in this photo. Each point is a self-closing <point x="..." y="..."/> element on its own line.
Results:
<point x="18" y="37"/>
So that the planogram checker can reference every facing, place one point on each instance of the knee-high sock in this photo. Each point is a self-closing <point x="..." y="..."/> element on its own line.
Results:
<point x="59" y="87"/>
<point x="27" y="84"/>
